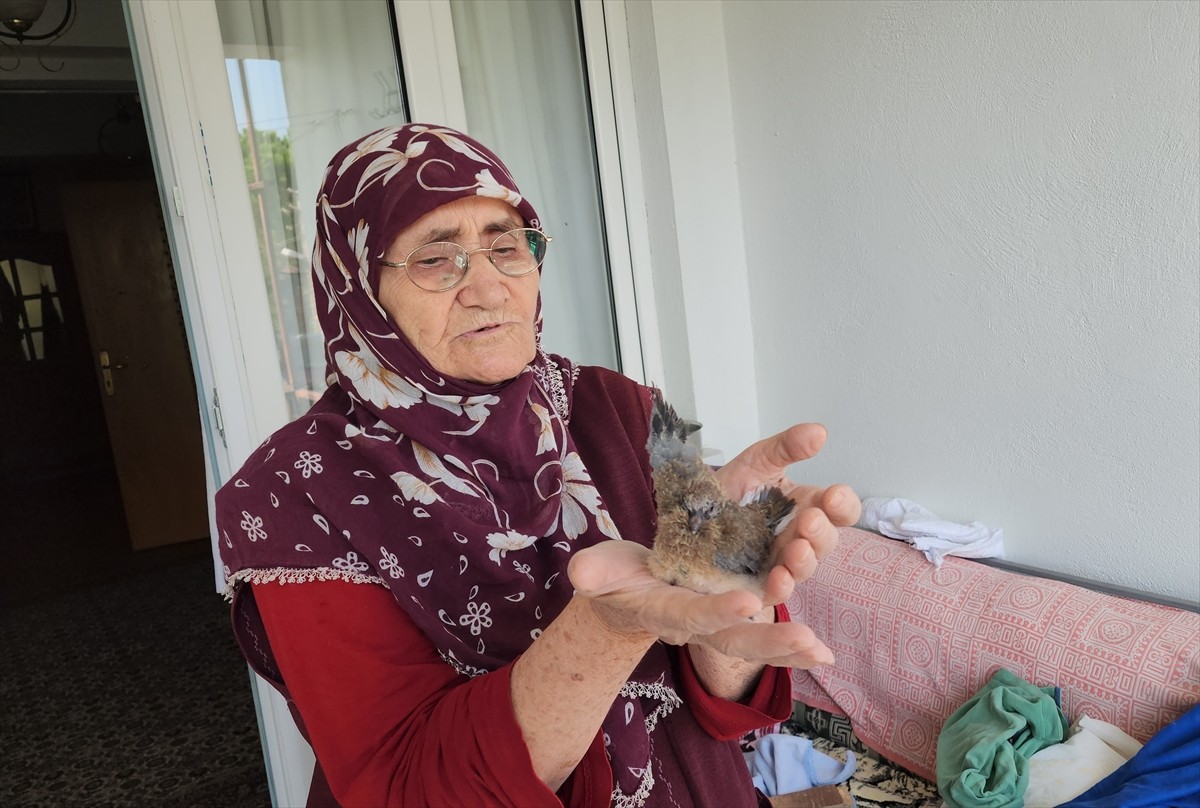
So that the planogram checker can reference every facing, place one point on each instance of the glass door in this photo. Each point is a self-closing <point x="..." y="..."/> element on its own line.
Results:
<point x="304" y="79"/>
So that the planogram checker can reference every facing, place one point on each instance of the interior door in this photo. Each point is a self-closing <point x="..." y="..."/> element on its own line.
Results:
<point x="135" y="326"/>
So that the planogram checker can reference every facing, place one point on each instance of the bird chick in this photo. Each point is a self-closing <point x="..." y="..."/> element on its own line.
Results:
<point x="706" y="541"/>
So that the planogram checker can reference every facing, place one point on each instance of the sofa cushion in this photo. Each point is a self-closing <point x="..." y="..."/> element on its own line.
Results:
<point x="914" y="642"/>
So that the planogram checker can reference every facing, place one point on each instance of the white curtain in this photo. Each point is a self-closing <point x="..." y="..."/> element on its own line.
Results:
<point x="526" y="98"/>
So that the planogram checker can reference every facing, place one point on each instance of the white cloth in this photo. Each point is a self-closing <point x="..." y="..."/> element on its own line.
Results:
<point x="1094" y="750"/>
<point x="906" y="520"/>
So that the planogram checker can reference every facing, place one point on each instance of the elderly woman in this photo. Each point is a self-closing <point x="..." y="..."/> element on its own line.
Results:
<point x="461" y="526"/>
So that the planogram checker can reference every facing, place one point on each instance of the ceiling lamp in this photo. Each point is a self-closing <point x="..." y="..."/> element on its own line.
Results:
<point x="19" y="16"/>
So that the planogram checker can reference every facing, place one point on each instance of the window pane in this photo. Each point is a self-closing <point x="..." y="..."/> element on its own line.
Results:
<point x="305" y="79"/>
<point x="33" y="312"/>
<point x="32" y="276"/>
<point x="526" y="97"/>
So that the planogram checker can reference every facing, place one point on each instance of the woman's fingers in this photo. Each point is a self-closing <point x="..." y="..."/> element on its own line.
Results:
<point x="765" y="462"/>
<point x="785" y="644"/>
<point x="839" y="502"/>
<point x="841" y="505"/>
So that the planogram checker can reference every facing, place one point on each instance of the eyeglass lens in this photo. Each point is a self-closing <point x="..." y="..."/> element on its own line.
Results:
<point x="442" y="264"/>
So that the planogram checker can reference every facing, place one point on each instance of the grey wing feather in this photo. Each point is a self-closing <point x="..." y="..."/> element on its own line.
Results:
<point x="669" y="434"/>
<point x="747" y="561"/>
<point x="775" y="506"/>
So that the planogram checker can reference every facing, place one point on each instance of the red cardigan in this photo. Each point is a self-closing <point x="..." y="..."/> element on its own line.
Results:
<point x="392" y="724"/>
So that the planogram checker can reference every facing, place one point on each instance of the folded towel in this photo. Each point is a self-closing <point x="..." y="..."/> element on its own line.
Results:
<point x="936" y="538"/>
<point x="1061" y="772"/>
<point x="781" y="764"/>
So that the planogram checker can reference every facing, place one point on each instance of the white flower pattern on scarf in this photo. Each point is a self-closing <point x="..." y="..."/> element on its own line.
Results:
<point x="502" y="543"/>
<point x="390" y="164"/>
<point x="579" y="494"/>
<point x="376" y="141"/>
<point x="308" y="464"/>
<point x="351" y="563"/>
<point x="357" y="237"/>
<point x="372" y="381"/>
<point x="253" y="525"/>
<point x="390" y="563"/>
<point x="415" y="489"/>
<point x="545" y="441"/>
<point x="489" y="187"/>
<point x="476" y="619"/>
<point x="474" y="407"/>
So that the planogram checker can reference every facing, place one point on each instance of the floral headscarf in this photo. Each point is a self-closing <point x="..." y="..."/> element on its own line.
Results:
<point x="465" y="500"/>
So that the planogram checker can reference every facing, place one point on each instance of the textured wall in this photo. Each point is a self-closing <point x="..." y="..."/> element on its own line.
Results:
<point x="972" y="238"/>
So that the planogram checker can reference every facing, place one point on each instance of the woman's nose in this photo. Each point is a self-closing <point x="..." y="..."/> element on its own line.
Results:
<point x="484" y="284"/>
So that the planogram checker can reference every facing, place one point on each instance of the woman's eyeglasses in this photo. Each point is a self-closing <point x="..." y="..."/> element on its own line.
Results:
<point x="442" y="265"/>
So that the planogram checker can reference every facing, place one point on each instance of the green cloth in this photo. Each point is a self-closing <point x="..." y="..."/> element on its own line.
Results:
<point x="984" y="748"/>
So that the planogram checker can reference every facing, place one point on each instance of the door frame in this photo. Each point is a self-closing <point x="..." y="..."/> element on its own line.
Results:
<point x="207" y="211"/>
<point x="186" y="120"/>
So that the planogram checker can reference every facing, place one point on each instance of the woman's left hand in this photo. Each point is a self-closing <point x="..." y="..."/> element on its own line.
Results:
<point x="812" y="534"/>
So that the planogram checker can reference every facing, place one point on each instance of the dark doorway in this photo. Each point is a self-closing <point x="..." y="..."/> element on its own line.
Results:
<point x="123" y="684"/>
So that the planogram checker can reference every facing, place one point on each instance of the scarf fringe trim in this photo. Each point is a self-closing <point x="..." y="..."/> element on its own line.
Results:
<point x="291" y="575"/>
<point x="638" y="798"/>
<point x="669" y="701"/>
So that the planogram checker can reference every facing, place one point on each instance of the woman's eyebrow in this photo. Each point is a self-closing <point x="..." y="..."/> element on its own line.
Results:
<point x="451" y="233"/>
<point x="501" y="226"/>
<point x="440" y="234"/>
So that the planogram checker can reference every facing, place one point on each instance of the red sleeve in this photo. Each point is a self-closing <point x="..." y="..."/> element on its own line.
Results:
<point x="770" y="703"/>
<point x="390" y="722"/>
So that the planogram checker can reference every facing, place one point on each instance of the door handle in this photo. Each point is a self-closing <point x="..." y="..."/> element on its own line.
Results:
<point x="106" y="369"/>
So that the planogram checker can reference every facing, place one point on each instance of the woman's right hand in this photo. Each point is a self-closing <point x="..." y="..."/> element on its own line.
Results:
<point x="630" y="601"/>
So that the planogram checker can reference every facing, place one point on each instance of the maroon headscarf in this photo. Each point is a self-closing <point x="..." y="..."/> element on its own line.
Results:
<point x="465" y="500"/>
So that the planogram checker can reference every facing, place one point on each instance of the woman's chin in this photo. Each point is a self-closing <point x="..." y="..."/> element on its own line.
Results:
<point x="491" y="364"/>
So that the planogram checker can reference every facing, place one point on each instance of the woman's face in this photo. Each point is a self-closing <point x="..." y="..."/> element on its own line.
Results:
<point x="482" y="329"/>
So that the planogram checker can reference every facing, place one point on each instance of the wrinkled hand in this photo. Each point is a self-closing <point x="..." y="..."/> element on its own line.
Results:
<point x="631" y="601"/>
<point x="812" y="533"/>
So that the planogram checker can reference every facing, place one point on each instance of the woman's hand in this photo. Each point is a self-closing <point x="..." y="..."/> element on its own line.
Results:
<point x="631" y="601"/>
<point x="812" y="534"/>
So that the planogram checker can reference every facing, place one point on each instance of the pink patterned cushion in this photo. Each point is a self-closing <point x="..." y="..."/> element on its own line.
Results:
<point x="914" y="642"/>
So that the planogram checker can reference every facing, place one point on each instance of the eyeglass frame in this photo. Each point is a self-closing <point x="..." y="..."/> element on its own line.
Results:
<point x="466" y="267"/>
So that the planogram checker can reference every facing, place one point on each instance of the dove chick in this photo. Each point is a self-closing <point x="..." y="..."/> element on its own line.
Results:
<point x="706" y="541"/>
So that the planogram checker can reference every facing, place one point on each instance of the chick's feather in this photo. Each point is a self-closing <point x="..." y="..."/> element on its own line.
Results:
<point x="706" y="541"/>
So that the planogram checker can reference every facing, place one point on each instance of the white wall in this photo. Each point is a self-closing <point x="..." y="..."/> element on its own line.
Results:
<point x="686" y="134"/>
<point x="659" y="213"/>
<point x="972" y="246"/>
